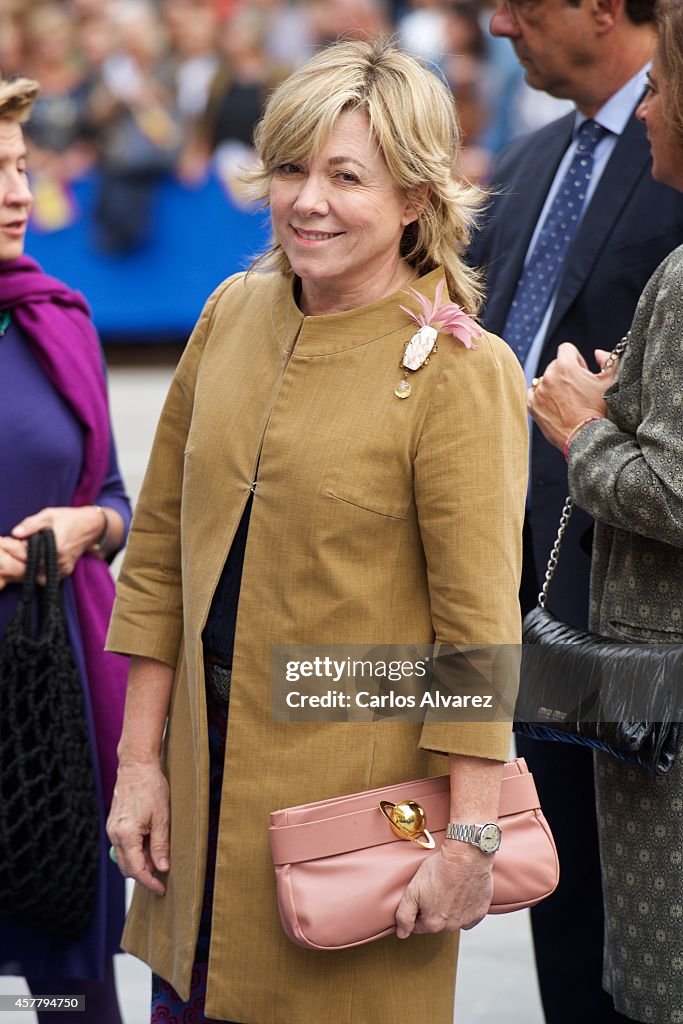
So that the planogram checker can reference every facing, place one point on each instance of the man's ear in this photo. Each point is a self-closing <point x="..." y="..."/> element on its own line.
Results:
<point x="416" y="200"/>
<point x="606" y="14"/>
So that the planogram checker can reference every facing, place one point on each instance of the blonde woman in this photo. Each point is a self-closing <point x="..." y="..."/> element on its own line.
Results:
<point x="307" y="488"/>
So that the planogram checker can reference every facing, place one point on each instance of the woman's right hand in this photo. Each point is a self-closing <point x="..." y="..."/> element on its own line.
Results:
<point x="138" y="824"/>
<point x="12" y="560"/>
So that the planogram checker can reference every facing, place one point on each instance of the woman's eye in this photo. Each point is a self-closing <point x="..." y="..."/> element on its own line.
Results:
<point x="289" y="169"/>
<point x="347" y="176"/>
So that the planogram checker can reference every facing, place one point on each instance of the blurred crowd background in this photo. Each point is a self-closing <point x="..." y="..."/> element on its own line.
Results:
<point x="139" y="92"/>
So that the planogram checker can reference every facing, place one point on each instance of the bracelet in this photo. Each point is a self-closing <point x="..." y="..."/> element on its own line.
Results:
<point x="574" y="431"/>
<point x="98" y="545"/>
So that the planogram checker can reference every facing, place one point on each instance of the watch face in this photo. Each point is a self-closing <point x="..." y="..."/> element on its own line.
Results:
<point x="489" y="839"/>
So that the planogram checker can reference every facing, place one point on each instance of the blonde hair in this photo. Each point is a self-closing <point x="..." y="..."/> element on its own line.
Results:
<point x="17" y="98"/>
<point x="413" y="119"/>
<point x="670" y="53"/>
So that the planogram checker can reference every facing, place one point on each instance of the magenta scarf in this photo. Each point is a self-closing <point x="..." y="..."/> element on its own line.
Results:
<point x="56" y="323"/>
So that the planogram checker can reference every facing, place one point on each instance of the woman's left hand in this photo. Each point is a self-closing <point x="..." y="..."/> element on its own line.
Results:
<point x="451" y="890"/>
<point x="75" y="530"/>
<point x="568" y="393"/>
<point x="12" y="561"/>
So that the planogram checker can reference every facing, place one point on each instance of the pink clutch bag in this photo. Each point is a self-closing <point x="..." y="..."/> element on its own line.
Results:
<point x="340" y="869"/>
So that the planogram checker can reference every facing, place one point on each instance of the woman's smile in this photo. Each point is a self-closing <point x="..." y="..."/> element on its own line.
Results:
<point x="314" y="236"/>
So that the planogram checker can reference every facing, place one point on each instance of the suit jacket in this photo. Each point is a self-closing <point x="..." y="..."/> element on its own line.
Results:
<point x="630" y="225"/>
<point x="374" y="520"/>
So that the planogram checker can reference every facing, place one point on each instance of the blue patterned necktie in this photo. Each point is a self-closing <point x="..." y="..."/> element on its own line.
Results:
<point x="539" y="278"/>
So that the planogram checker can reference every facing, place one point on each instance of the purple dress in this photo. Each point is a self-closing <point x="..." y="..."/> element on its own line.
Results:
<point x="41" y="453"/>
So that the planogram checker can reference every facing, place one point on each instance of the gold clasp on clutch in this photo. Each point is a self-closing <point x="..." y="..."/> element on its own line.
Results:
<point x="407" y="821"/>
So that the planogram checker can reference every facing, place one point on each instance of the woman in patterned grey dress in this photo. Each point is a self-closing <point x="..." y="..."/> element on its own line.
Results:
<point x="622" y="433"/>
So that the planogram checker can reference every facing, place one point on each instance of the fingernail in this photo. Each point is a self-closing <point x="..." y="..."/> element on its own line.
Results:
<point x="163" y="864"/>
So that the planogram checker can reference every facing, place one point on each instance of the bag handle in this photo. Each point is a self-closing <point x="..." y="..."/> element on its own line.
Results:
<point x="555" y="552"/>
<point x="34" y="545"/>
<point x="42" y="548"/>
<point x="565" y="516"/>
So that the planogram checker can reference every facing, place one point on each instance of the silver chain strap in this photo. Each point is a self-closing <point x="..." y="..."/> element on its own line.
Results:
<point x="615" y="353"/>
<point x="555" y="553"/>
<point x="569" y="504"/>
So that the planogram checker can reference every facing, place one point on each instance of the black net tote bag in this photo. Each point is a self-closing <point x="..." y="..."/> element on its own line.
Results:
<point x="49" y="821"/>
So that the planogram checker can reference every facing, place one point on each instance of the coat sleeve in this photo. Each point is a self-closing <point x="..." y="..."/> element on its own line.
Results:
<point x="635" y="481"/>
<point x="148" y="612"/>
<point x="470" y="486"/>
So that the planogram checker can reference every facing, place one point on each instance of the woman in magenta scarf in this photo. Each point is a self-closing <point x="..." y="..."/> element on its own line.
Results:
<point x="58" y="469"/>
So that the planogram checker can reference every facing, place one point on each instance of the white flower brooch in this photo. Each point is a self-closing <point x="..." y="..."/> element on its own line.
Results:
<point x="435" y="317"/>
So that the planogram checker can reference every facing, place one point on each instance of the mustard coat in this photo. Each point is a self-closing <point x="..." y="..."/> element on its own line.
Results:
<point x="374" y="520"/>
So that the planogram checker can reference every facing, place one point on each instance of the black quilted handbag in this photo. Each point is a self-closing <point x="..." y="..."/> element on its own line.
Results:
<point x="580" y="687"/>
<point x="49" y="822"/>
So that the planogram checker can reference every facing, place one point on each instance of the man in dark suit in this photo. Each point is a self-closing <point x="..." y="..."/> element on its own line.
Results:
<point x="594" y="52"/>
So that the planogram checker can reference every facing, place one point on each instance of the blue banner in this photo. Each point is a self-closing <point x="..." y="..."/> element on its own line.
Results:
<point x="156" y="292"/>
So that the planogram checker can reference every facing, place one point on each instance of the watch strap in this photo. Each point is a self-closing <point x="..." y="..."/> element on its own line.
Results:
<point x="465" y="833"/>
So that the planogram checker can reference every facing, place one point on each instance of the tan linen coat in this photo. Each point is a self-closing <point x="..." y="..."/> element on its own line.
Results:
<point x="375" y="520"/>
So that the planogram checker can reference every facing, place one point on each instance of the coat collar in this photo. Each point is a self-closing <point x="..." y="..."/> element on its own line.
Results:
<point x="340" y="332"/>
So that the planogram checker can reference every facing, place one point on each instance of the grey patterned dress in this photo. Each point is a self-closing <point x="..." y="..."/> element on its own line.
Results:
<point x="627" y="471"/>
